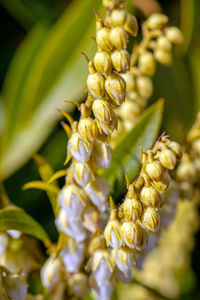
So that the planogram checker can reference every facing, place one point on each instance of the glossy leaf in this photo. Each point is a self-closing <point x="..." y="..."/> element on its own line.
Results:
<point x="126" y="157"/>
<point x="57" y="72"/>
<point x="18" y="219"/>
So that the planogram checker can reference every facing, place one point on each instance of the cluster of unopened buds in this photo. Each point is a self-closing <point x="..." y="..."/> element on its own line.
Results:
<point x="155" y="46"/>
<point x="83" y="201"/>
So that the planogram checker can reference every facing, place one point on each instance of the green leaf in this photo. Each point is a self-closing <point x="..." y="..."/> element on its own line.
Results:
<point x="126" y="157"/>
<point x="55" y="73"/>
<point x="18" y="219"/>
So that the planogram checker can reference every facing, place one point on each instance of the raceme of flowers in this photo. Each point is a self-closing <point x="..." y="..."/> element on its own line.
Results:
<point x="94" y="250"/>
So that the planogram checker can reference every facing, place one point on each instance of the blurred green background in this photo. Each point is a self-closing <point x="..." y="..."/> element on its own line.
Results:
<point x="41" y="66"/>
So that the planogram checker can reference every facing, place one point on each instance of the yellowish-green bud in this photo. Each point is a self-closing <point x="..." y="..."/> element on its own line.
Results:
<point x="176" y="148"/>
<point x="118" y="17"/>
<point x="163" y="57"/>
<point x="87" y="128"/>
<point x="131" y="25"/>
<point x="150" y="219"/>
<point x="156" y="21"/>
<point x="150" y="197"/>
<point x="111" y="3"/>
<point x="163" y="183"/>
<point x="167" y="159"/>
<point x="154" y="170"/>
<point x="131" y="234"/>
<point x="103" y="111"/>
<point x="132" y="209"/>
<point x="147" y="63"/>
<point x="102" y="63"/>
<point x="96" y="85"/>
<point x="78" y="284"/>
<point x="163" y="44"/>
<point x="112" y="232"/>
<point x="130" y="81"/>
<point x="121" y="60"/>
<point x="103" y="39"/>
<point x="116" y="88"/>
<point x="144" y="86"/>
<point x="186" y="171"/>
<point x="118" y="38"/>
<point x="174" y="35"/>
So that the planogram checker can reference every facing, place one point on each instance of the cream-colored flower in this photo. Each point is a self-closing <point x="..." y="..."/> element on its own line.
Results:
<point x="80" y="149"/>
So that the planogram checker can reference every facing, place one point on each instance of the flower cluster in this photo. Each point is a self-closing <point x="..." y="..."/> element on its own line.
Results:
<point x="83" y="200"/>
<point x="155" y="46"/>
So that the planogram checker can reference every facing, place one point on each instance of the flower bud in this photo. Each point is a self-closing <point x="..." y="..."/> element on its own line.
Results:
<point x="111" y="3"/>
<point x="163" y="44"/>
<point x="125" y="260"/>
<point x="112" y="232"/>
<point x="174" y="35"/>
<point x="163" y="183"/>
<point x="102" y="63"/>
<point x="150" y="197"/>
<point x="132" y="209"/>
<point x="131" y="25"/>
<point x="131" y="234"/>
<point x="103" y="111"/>
<point x="16" y="287"/>
<point x="144" y="86"/>
<point x="88" y="130"/>
<point x="96" y="85"/>
<point x="52" y="273"/>
<point x="71" y="227"/>
<point x="90" y="218"/>
<point x="147" y="63"/>
<point x="154" y="170"/>
<point x="103" y="39"/>
<point x="118" y="17"/>
<point x="196" y="146"/>
<point x="150" y="219"/>
<point x="121" y="60"/>
<point x="176" y="148"/>
<point x="78" y="284"/>
<point x="130" y="81"/>
<point x="79" y="149"/>
<point x="98" y="191"/>
<point x="102" y="266"/>
<point x="72" y="199"/>
<point x="101" y="156"/>
<point x="156" y="21"/>
<point x="163" y="57"/>
<point x="129" y="111"/>
<point x="116" y="88"/>
<point x="118" y="38"/>
<point x="186" y="171"/>
<point x="73" y="255"/>
<point x="167" y="159"/>
<point x="108" y="128"/>
<point x="82" y="173"/>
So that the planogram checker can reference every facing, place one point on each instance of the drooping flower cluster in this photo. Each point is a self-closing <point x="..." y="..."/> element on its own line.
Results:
<point x="155" y="46"/>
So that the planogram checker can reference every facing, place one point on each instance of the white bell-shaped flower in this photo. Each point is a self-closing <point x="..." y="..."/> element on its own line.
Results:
<point x="16" y="286"/>
<point x="72" y="200"/>
<point x="104" y="291"/>
<point x="90" y="218"/>
<point x="98" y="191"/>
<point x="52" y="272"/>
<point x="82" y="173"/>
<point x="101" y="155"/>
<point x="73" y="255"/>
<point x="102" y="266"/>
<point x="73" y="228"/>
<point x="124" y="260"/>
<point x="80" y="149"/>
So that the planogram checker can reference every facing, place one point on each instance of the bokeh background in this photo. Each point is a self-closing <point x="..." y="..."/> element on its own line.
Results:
<point x="41" y="66"/>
